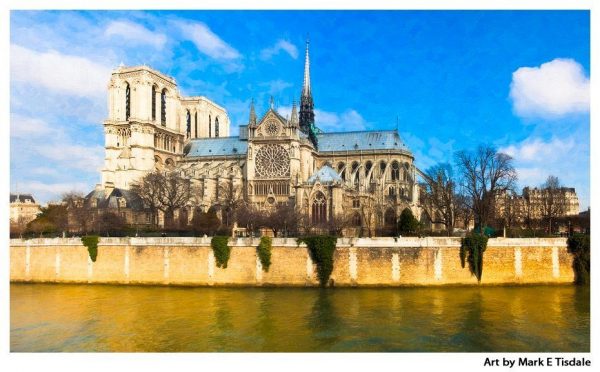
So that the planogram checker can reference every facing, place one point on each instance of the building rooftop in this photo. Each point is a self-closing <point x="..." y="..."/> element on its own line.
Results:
<point x="360" y="141"/>
<point x="133" y="201"/>
<point x="221" y="146"/>
<point x="22" y="198"/>
<point x="328" y="142"/>
<point x="325" y="174"/>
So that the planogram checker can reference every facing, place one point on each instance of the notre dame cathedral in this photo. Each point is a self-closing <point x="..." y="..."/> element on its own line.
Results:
<point x="366" y="177"/>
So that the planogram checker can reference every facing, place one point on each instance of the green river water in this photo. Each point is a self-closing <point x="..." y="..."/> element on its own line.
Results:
<point x="56" y="317"/>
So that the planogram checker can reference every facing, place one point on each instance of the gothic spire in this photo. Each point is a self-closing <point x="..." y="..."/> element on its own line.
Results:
<point x="306" y="85"/>
<point x="294" y="117"/>
<point x="307" y="110"/>
<point x="252" y="121"/>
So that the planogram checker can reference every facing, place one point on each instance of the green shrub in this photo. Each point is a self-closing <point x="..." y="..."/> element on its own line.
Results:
<point x="321" y="249"/>
<point x="408" y="225"/>
<point x="579" y="247"/>
<point x="472" y="247"/>
<point x="91" y="242"/>
<point x="221" y="250"/>
<point x="264" y="252"/>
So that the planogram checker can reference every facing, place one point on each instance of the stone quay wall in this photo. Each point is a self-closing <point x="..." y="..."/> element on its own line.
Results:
<point x="357" y="262"/>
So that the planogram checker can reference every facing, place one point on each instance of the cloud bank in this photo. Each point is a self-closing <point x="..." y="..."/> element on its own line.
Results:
<point x="280" y="45"/>
<point x="552" y="90"/>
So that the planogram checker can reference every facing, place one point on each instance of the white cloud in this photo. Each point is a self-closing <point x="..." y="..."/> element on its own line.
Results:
<point x="86" y="158"/>
<point x="136" y="33"/>
<point x="44" y="191"/>
<point x="567" y="158"/>
<point x="207" y="41"/>
<point x="59" y="72"/>
<point x="537" y="150"/>
<point x="348" y="120"/>
<point x="26" y="127"/>
<point x="276" y="86"/>
<point x="280" y="45"/>
<point x="554" y="89"/>
<point x="44" y="171"/>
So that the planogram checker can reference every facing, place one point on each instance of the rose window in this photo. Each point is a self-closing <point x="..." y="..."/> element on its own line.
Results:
<point x="272" y="161"/>
<point x="272" y="128"/>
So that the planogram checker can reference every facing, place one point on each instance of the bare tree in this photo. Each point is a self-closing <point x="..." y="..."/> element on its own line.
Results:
<point x="229" y="199"/>
<point x="80" y="215"/>
<point x="553" y="203"/>
<point x="438" y="196"/>
<point x="175" y="193"/>
<point x="484" y="173"/>
<point x="166" y="192"/>
<point x="463" y="212"/>
<point x="149" y="189"/>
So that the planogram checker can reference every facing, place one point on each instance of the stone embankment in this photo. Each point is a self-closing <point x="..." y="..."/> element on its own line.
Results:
<point x="358" y="262"/>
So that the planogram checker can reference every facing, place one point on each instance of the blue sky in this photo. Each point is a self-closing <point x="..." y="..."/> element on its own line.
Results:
<point x="454" y="79"/>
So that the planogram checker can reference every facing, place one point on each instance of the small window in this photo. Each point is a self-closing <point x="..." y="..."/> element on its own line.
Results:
<point x="163" y="107"/>
<point x="188" y="123"/>
<point x="395" y="171"/>
<point x="127" y="102"/>
<point x="209" y="127"/>
<point x="196" y="125"/>
<point x="217" y="127"/>
<point x="355" y="203"/>
<point x="153" y="102"/>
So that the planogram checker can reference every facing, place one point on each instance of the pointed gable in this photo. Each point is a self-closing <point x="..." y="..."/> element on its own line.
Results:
<point x="271" y="124"/>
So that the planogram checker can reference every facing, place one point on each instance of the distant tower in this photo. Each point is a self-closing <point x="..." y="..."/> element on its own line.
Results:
<point x="294" y="117"/>
<point x="307" y="114"/>
<point x="252" y="121"/>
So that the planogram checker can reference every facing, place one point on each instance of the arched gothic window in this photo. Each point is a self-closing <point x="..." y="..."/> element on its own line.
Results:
<point x="368" y="166"/>
<point x="395" y="171"/>
<point x="389" y="219"/>
<point x="356" y="173"/>
<point x="356" y="220"/>
<point x="217" y="126"/>
<point x="209" y="127"/>
<point x="392" y="191"/>
<point x="127" y="101"/>
<point x="196" y="125"/>
<point x="342" y="171"/>
<point x="382" y="168"/>
<point x="319" y="209"/>
<point x="188" y="122"/>
<point x="153" y="102"/>
<point x="163" y="107"/>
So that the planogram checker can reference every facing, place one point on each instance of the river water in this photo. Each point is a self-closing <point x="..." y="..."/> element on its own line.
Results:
<point x="56" y="317"/>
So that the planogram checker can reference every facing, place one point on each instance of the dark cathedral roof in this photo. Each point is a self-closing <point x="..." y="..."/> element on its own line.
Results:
<point x="327" y="142"/>
<point x="133" y="201"/>
<point x="212" y="147"/>
<point x="361" y="140"/>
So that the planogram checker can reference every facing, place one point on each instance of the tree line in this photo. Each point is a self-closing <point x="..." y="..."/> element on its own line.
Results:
<point x="478" y="189"/>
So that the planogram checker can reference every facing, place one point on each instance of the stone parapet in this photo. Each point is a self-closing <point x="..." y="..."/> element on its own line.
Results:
<point x="357" y="262"/>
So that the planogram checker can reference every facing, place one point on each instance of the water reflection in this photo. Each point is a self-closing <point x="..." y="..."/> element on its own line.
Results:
<point x="119" y="318"/>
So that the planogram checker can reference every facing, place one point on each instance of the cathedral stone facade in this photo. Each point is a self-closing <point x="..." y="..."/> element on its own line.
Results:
<point x="365" y="178"/>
